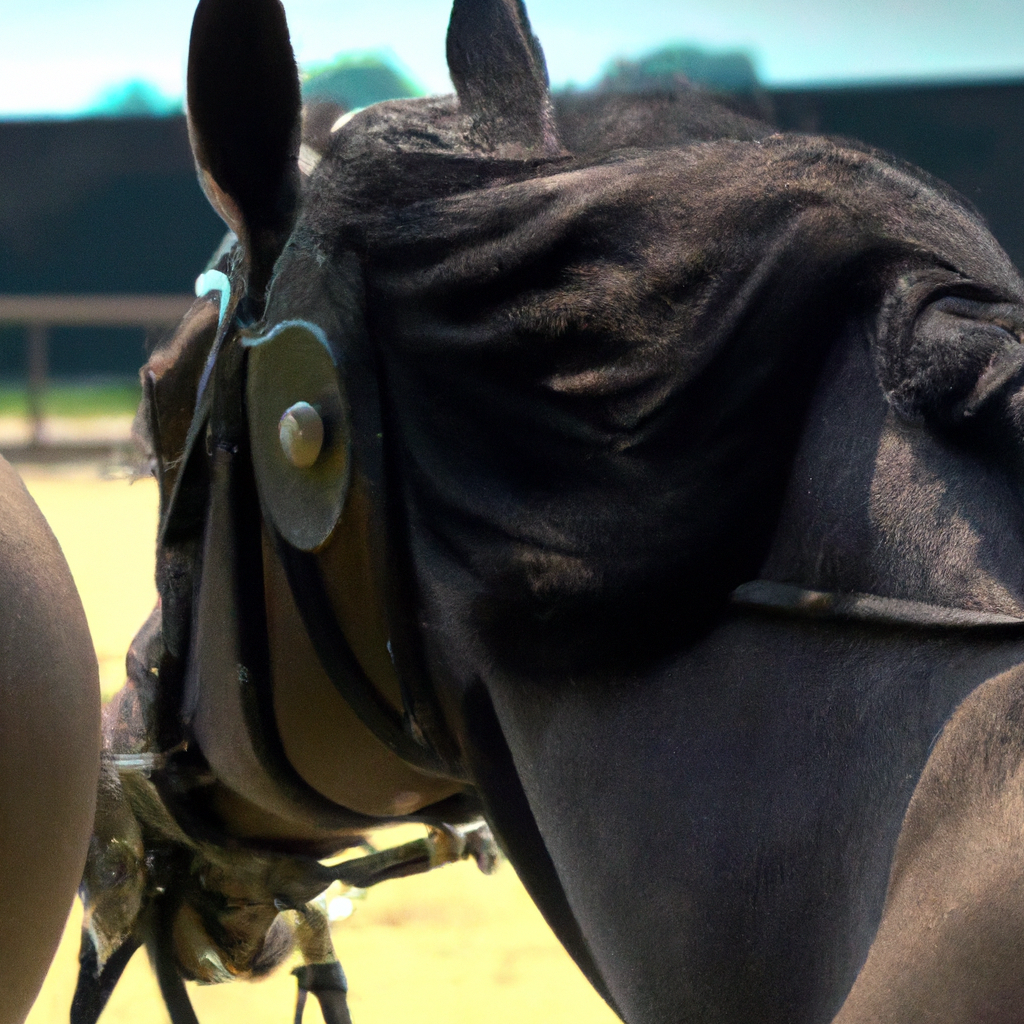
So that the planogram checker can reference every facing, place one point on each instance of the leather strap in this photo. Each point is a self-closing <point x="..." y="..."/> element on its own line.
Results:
<point x="393" y="729"/>
<point x="870" y="609"/>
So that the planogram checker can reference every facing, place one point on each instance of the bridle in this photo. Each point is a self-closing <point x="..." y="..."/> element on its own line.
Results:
<point x="216" y="485"/>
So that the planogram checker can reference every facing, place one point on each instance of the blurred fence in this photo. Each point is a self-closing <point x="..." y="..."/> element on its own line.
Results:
<point x="39" y="314"/>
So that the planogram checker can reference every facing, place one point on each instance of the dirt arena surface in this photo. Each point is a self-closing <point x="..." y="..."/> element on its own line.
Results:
<point x="450" y="945"/>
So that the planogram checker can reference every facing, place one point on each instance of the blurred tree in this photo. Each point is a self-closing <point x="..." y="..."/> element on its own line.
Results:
<point x="358" y="79"/>
<point x="675" y="66"/>
<point x="135" y="98"/>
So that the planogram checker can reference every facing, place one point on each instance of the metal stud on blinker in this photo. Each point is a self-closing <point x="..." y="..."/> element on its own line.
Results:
<point x="300" y="456"/>
<point x="301" y="431"/>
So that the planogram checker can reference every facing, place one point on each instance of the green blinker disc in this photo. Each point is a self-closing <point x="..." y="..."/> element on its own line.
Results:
<point x="299" y="432"/>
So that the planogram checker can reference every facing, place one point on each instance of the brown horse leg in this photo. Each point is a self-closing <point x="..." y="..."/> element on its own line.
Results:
<point x="49" y="745"/>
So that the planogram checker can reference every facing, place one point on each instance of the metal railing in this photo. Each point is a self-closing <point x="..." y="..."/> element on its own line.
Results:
<point x="38" y="314"/>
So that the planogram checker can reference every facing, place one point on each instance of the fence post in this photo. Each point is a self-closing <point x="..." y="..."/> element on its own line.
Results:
<point x="38" y="369"/>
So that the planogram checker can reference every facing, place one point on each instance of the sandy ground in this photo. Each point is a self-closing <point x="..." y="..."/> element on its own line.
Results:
<point x="107" y="529"/>
<point x="450" y="945"/>
<point x="18" y="429"/>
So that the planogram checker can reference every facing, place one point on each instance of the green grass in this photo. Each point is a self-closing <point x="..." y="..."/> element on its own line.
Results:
<point x="65" y="398"/>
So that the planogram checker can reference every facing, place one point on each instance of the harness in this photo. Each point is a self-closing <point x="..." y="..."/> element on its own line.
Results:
<point x="212" y="625"/>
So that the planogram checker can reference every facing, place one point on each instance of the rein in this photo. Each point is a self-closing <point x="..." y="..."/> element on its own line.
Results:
<point x="791" y="601"/>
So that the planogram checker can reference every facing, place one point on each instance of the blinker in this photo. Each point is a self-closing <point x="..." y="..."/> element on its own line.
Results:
<point x="298" y="431"/>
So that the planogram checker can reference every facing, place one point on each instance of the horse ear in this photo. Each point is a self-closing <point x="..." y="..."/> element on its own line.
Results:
<point x="244" y="119"/>
<point x="498" y="69"/>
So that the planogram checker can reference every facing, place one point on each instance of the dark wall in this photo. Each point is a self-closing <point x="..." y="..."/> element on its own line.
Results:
<point x="113" y="205"/>
<point x="105" y="205"/>
<point x="78" y="352"/>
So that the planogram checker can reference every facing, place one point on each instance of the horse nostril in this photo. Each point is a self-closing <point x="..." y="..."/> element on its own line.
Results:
<point x="301" y="431"/>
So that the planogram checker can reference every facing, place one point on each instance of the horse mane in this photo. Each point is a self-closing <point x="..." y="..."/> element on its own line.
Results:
<point x="170" y="382"/>
<point x="592" y="123"/>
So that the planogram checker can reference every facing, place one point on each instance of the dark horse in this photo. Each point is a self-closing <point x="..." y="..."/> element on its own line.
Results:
<point x="49" y="745"/>
<point x="648" y="476"/>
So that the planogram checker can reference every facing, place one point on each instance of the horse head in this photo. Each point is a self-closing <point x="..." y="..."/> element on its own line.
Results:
<point x="646" y="475"/>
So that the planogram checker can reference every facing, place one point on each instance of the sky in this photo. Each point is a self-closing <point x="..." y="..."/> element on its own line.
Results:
<point x="58" y="56"/>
